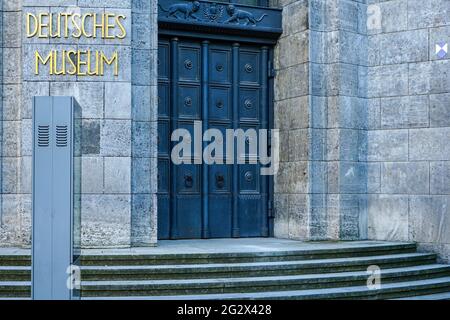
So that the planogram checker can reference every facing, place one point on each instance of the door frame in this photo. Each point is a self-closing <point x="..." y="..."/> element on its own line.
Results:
<point x="264" y="33"/>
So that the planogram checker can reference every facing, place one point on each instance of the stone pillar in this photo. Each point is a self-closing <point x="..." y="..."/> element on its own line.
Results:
<point x="321" y="110"/>
<point x="144" y="123"/>
<point x="13" y="229"/>
<point x="292" y="118"/>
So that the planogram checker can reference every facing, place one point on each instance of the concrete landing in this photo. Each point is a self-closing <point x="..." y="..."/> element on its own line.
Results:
<point x="207" y="246"/>
<point x="236" y="246"/>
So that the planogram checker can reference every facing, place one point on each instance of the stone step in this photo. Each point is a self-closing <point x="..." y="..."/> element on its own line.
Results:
<point x="18" y="258"/>
<point x="257" y="284"/>
<point x="387" y="291"/>
<point x="253" y="269"/>
<point x="436" y="296"/>
<point x="15" y="273"/>
<point x="318" y="251"/>
<point x="227" y="270"/>
<point x="15" y="289"/>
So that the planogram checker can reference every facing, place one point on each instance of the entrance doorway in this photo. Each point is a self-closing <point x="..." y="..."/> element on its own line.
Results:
<point x="226" y="85"/>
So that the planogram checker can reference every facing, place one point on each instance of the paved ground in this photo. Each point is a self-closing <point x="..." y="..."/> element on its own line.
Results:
<point x="219" y="245"/>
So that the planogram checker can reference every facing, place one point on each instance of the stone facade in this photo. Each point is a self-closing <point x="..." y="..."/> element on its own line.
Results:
<point x="361" y="100"/>
<point x="321" y="111"/>
<point x="409" y="98"/>
<point x="119" y="124"/>
<point x="362" y="107"/>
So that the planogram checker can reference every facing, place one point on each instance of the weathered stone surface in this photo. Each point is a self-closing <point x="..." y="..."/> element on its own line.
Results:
<point x="404" y="112"/>
<point x="90" y="143"/>
<point x="292" y="178"/>
<point x="386" y="81"/>
<point x="143" y="220"/>
<point x="106" y="220"/>
<point x="142" y="173"/>
<point x="88" y="94"/>
<point x="430" y="219"/>
<point x="347" y="112"/>
<point x="429" y="13"/>
<point x="440" y="177"/>
<point x="298" y="216"/>
<point x="347" y="177"/>
<point x="144" y="138"/>
<point x="12" y="95"/>
<point x="440" y="110"/>
<point x="11" y="35"/>
<point x="400" y="47"/>
<point x="405" y="178"/>
<point x="10" y="138"/>
<point x="298" y="43"/>
<point x="105" y="3"/>
<point x="429" y="144"/>
<point x="373" y="113"/>
<point x="36" y="3"/>
<point x="292" y="113"/>
<point x="9" y="173"/>
<point x="29" y="90"/>
<point x="429" y="77"/>
<point x="437" y="36"/>
<point x="388" y="217"/>
<point x="388" y="145"/>
<point x="281" y="221"/>
<point x="117" y="175"/>
<point x="115" y="138"/>
<point x="297" y="74"/>
<point x="25" y="175"/>
<point x="92" y="170"/>
<point x="394" y="15"/>
<point x="117" y="100"/>
<point x="373" y="177"/>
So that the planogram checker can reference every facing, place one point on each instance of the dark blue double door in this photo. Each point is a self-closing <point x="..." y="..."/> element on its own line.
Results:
<point x="225" y="86"/>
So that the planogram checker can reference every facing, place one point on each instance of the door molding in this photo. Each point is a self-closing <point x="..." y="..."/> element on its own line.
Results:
<point x="225" y="20"/>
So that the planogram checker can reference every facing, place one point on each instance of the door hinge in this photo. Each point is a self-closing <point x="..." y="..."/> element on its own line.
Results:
<point x="271" y="70"/>
<point x="270" y="209"/>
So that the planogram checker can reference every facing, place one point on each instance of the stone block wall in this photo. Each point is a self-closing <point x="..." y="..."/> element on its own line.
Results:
<point x="119" y="116"/>
<point x="321" y="111"/>
<point x="408" y="149"/>
<point x="292" y="119"/>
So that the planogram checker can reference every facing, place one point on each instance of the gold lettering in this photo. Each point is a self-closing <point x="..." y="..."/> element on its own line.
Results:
<point x="71" y="53"/>
<point x="66" y="16"/>
<point x="57" y="34"/>
<point x="30" y="33"/>
<point x="99" y="25"/>
<point x="62" y="71"/>
<point x="121" y="27"/>
<point x="107" y="26"/>
<point x="114" y="59"/>
<point x="83" y="24"/>
<point x="78" y="33"/>
<point x="89" y="63"/>
<point x="81" y="63"/>
<point x="38" y="58"/>
<point x="42" y="25"/>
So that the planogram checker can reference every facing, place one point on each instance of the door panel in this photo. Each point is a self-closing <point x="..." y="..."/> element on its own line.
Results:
<point x="219" y="200"/>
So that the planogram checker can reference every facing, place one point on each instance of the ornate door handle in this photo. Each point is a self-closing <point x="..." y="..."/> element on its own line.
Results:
<point x="220" y="181"/>
<point x="188" y="181"/>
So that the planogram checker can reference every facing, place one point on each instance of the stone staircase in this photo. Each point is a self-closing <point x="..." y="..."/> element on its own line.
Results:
<point x="316" y="273"/>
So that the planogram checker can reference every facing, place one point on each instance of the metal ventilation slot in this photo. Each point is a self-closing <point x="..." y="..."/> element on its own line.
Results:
<point x="43" y="136"/>
<point x="61" y="136"/>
